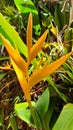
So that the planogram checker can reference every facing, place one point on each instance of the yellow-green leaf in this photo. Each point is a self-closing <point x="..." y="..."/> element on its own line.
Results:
<point x="65" y="120"/>
<point x="53" y="30"/>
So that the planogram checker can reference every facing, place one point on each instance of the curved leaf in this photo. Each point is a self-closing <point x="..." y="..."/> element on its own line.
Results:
<point x="43" y="103"/>
<point x="24" y="113"/>
<point x="65" y="120"/>
<point x="13" y="35"/>
<point x="25" y="7"/>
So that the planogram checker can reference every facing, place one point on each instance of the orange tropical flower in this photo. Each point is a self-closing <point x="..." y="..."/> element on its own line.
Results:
<point x="21" y="66"/>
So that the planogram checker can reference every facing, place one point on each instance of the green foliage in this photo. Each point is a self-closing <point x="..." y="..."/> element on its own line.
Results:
<point x="2" y="119"/>
<point x="68" y="39"/>
<point x="61" y="18"/>
<point x="25" y="7"/>
<point x="35" y="115"/>
<point x="43" y="103"/>
<point x="61" y="123"/>
<point x="45" y="114"/>
<point x="2" y="75"/>
<point x="64" y="97"/>
<point x="23" y="112"/>
<point x="65" y="120"/>
<point x="66" y="74"/>
<point x="13" y="122"/>
<point x="12" y="35"/>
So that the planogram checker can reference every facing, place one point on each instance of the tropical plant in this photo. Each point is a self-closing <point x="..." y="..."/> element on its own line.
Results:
<point x="34" y="113"/>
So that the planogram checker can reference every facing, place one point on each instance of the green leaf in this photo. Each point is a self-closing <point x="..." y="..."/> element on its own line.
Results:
<point x="68" y="66"/>
<point x="36" y="118"/>
<point x="2" y="75"/>
<point x="2" y="119"/>
<point x="24" y="113"/>
<point x="43" y="103"/>
<point x="52" y="83"/>
<point x="13" y="35"/>
<point x="59" y="16"/>
<point x="4" y="58"/>
<point x="13" y="122"/>
<point x="66" y="78"/>
<point x="5" y="35"/>
<point x="47" y="118"/>
<point x="25" y="7"/>
<point x="68" y="36"/>
<point x="70" y="74"/>
<point x="2" y="32"/>
<point x="27" y="4"/>
<point x="43" y="6"/>
<point x="65" y="120"/>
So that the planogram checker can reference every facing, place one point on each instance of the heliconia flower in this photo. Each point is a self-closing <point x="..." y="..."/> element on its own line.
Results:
<point x="22" y="80"/>
<point x="47" y="69"/>
<point x="21" y="66"/>
<point x="37" y="46"/>
<point x="14" y="54"/>
<point x="33" y="49"/>
<point x="29" y="34"/>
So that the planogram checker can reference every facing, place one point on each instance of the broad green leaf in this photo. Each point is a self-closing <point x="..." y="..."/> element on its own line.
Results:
<point x="65" y="120"/>
<point x="25" y="7"/>
<point x="1" y="43"/>
<point x="49" y="114"/>
<point x="61" y="18"/>
<point x="4" y="34"/>
<point x="36" y="118"/>
<point x="30" y="116"/>
<point x="13" y="35"/>
<point x="57" y="17"/>
<point x="24" y="113"/>
<point x="43" y="103"/>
